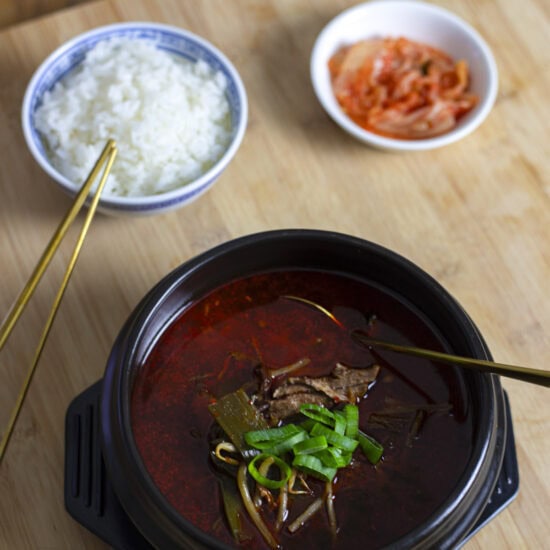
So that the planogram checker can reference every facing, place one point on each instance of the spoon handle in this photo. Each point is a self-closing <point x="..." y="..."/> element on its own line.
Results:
<point x="525" y="374"/>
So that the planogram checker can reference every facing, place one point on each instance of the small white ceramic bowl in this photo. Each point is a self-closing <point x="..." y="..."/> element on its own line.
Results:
<point x="172" y="39"/>
<point x="416" y="21"/>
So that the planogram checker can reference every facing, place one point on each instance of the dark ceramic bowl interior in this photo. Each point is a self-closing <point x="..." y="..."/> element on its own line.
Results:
<point x="290" y="249"/>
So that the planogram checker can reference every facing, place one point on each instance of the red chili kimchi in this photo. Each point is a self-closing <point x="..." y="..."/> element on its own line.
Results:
<point x="399" y="88"/>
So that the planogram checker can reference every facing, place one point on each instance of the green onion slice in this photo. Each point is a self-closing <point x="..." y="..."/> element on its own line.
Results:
<point x="282" y="446"/>
<point x="340" y="441"/>
<point x="266" y="438"/>
<point x="370" y="447"/>
<point x="307" y="424"/>
<point x="313" y="466"/>
<point x="320" y="445"/>
<point x="318" y="413"/>
<point x="340" y="423"/>
<point x="334" y="458"/>
<point x="284" y="468"/>
<point x="351" y="412"/>
<point x="310" y="445"/>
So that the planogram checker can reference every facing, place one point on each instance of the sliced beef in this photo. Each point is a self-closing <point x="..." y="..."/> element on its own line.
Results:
<point x="285" y="407"/>
<point x="342" y="385"/>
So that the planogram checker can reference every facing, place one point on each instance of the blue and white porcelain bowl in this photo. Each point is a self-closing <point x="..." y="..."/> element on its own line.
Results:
<point x="178" y="42"/>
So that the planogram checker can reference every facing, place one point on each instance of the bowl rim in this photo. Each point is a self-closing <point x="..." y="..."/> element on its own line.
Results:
<point x="480" y="113"/>
<point x="185" y="192"/>
<point x="487" y="450"/>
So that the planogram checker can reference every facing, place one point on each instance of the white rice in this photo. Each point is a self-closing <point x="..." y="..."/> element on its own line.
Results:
<point x="169" y="116"/>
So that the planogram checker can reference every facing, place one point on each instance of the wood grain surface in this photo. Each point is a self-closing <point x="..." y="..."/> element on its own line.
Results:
<point x="16" y="11"/>
<point x="475" y="215"/>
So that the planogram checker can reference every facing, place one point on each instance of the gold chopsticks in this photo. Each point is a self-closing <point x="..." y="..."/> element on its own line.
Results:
<point x="105" y="161"/>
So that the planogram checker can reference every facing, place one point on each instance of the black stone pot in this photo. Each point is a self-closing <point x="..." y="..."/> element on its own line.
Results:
<point x="158" y="523"/>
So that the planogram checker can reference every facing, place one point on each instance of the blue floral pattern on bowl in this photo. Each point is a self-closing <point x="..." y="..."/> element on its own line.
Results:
<point x="171" y="39"/>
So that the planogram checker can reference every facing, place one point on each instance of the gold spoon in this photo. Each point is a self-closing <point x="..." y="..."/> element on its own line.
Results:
<point x="525" y="374"/>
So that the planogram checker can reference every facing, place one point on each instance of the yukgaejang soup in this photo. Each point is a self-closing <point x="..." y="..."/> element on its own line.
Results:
<point x="281" y="334"/>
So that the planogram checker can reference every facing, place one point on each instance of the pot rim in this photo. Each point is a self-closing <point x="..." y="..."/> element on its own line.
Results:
<point x="118" y="443"/>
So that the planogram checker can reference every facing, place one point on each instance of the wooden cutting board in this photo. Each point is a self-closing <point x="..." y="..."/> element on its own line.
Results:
<point x="16" y="11"/>
<point x="475" y="215"/>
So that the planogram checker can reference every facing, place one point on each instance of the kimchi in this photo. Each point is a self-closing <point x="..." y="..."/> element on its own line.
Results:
<point x="399" y="88"/>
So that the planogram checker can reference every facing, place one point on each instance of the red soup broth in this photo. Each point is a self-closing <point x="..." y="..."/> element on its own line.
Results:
<point x="214" y="346"/>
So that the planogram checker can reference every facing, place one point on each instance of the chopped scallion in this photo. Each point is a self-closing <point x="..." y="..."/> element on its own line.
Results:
<point x="370" y="447"/>
<point x="340" y="441"/>
<point x="282" y="446"/>
<point x="264" y="439"/>
<point x="313" y="466"/>
<point x="318" y="413"/>
<point x="318" y="446"/>
<point x="334" y="457"/>
<point x="310" y="446"/>
<point x="339" y="423"/>
<point x="268" y="482"/>
<point x="351" y="412"/>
